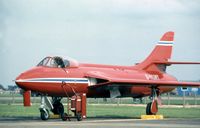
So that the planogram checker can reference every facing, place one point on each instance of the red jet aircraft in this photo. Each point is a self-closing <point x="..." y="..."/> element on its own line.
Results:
<point x="59" y="77"/>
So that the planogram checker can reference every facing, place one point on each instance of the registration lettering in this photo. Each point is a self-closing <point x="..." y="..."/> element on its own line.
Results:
<point x="151" y="77"/>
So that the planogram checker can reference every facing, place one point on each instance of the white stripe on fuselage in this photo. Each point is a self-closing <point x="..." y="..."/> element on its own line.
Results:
<point x="55" y="80"/>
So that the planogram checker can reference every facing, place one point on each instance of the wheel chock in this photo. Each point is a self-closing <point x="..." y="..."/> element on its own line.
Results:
<point x="53" y="116"/>
<point x="152" y="117"/>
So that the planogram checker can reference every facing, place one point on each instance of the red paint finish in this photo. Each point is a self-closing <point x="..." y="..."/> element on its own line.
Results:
<point x="96" y="80"/>
<point x="78" y="104"/>
<point x="154" y="107"/>
<point x="168" y="36"/>
<point x="27" y="98"/>
<point x="83" y="105"/>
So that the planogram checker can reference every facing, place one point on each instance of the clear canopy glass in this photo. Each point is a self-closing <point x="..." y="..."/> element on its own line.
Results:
<point x="58" y="62"/>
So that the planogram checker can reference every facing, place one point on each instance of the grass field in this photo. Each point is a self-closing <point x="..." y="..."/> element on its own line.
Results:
<point x="108" y="111"/>
<point x="173" y="101"/>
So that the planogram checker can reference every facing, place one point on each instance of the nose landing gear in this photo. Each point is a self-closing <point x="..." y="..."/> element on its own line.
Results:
<point x="44" y="113"/>
<point x="56" y="107"/>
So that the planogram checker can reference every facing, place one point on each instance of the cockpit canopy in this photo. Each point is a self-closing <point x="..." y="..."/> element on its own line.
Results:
<point x="58" y="62"/>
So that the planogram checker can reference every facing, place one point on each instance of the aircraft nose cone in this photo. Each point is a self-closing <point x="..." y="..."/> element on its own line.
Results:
<point x="22" y="79"/>
<point x="19" y="80"/>
<point x="19" y="77"/>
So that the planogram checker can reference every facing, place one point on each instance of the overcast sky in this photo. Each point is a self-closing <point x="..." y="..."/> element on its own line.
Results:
<point x="120" y="32"/>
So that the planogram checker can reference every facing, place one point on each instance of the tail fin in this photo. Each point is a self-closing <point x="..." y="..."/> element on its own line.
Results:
<point x="162" y="52"/>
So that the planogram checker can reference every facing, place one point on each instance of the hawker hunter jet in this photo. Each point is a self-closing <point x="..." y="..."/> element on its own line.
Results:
<point x="59" y="77"/>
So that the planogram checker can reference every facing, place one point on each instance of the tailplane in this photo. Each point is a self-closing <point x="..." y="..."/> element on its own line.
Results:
<point x="162" y="53"/>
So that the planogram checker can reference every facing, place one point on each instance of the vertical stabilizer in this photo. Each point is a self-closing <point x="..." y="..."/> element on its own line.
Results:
<point x="162" y="52"/>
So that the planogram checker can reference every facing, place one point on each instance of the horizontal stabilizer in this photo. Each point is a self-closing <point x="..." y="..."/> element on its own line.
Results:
<point x="174" y="62"/>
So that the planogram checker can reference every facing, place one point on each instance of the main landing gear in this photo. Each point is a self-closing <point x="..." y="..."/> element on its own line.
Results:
<point x="56" y="107"/>
<point x="152" y="107"/>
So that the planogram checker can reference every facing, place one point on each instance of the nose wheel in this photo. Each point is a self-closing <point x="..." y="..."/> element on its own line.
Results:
<point x="44" y="114"/>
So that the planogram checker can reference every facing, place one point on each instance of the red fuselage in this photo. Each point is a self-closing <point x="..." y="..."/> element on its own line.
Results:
<point x="59" y="77"/>
<point x="63" y="82"/>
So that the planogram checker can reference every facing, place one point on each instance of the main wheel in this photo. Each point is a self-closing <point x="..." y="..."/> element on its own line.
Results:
<point x="148" y="109"/>
<point x="44" y="114"/>
<point x="152" y="108"/>
<point x="58" y="108"/>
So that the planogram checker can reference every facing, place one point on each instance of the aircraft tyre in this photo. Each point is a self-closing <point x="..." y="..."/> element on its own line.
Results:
<point x="79" y="117"/>
<point x="58" y="108"/>
<point x="152" y="108"/>
<point x="44" y="114"/>
<point x="148" y="109"/>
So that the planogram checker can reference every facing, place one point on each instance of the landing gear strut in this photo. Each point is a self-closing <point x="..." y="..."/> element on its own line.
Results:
<point x="44" y="112"/>
<point x="152" y="107"/>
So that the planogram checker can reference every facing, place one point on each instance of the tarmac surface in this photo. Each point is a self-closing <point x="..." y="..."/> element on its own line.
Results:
<point x="26" y="122"/>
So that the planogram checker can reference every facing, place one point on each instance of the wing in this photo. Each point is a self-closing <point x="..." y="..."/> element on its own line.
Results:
<point x="105" y="79"/>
